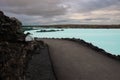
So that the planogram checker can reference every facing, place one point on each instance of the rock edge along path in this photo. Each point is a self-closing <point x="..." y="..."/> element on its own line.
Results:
<point x="40" y="67"/>
<point x="72" y="61"/>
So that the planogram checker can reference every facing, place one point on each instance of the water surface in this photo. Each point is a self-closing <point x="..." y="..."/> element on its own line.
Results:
<point x="107" y="39"/>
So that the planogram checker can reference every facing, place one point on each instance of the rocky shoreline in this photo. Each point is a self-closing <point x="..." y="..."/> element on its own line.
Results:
<point x="89" y="45"/>
<point x="95" y="48"/>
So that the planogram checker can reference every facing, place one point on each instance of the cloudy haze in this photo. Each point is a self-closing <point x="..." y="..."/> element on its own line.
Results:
<point x="63" y="11"/>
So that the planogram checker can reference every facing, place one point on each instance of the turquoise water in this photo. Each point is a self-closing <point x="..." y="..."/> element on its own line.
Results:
<point x="107" y="39"/>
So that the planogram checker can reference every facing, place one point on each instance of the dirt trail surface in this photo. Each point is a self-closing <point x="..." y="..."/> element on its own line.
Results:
<point x="72" y="61"/>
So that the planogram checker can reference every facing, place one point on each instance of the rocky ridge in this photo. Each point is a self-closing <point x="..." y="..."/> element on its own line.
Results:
<point x="14" y="51"/>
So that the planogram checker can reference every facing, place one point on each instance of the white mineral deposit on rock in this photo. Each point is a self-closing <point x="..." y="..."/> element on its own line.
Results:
<point x="29" y="38"/>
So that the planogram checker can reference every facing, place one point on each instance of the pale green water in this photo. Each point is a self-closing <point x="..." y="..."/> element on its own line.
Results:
<point x="107" y="39"/>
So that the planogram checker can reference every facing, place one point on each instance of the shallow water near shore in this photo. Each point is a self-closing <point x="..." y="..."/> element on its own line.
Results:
<point x="107" y="39"/>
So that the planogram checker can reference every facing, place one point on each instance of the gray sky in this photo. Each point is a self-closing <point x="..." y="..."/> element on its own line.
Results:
<point x="63" y="11"/>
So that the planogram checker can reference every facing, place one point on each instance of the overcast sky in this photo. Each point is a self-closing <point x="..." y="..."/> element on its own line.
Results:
<point x="41" y="12"/>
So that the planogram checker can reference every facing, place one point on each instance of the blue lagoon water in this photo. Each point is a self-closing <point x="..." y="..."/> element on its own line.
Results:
<point x="107" y="39"/>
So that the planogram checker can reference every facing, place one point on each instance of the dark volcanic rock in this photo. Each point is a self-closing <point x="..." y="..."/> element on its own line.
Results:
<point x="1" y="13"/>
<point x="14" y="58"/>
<point x="14" y="51"/>
<point x="10" y="28"/>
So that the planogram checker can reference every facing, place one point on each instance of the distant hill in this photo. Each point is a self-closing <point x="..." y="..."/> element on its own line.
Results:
<point x="75" y="26"/>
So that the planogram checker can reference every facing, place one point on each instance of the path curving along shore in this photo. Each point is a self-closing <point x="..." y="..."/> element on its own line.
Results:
<point x="72" y="61"/>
